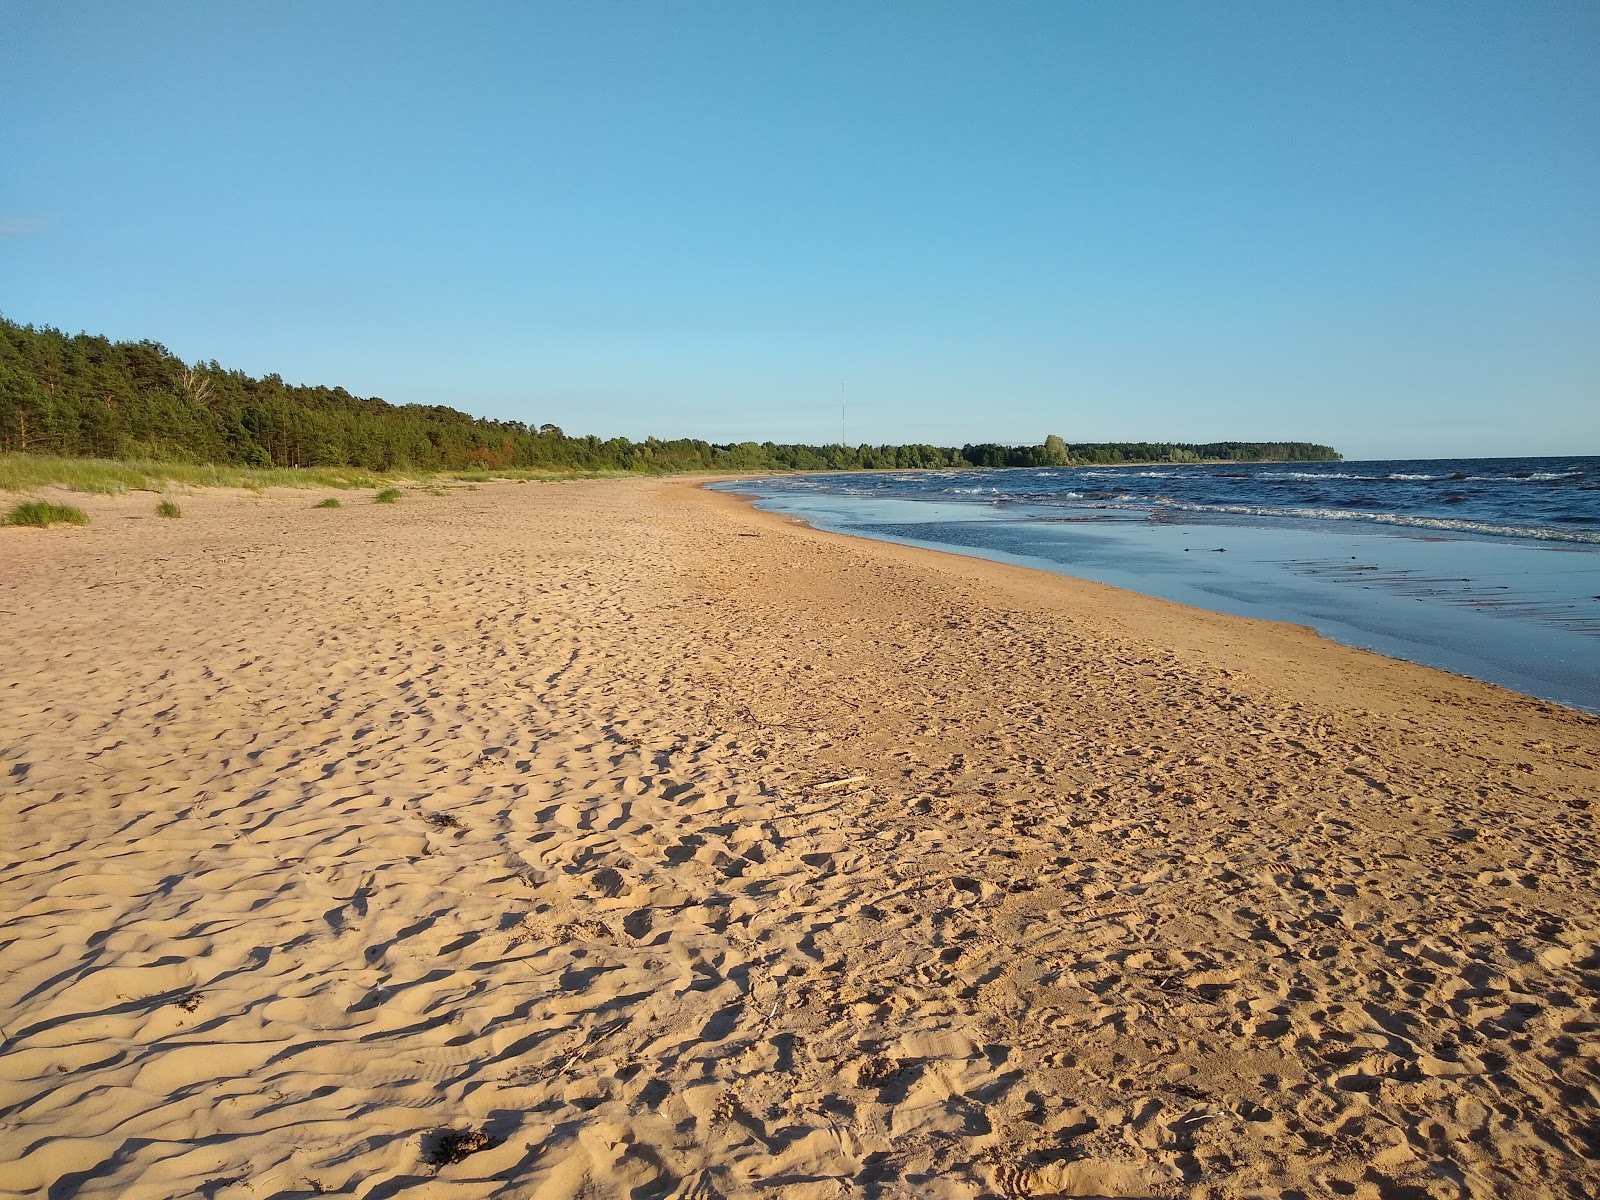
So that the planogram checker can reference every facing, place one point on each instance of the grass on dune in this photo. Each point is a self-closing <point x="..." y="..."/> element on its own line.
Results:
<point x="112" y="477"/>
<point x="387" y="496"/>
<point x="168" y="509"/>
<point x="41" y="513"/>
<point x="330" y="502"/>
<point x="109" y="477"/>
<point x="544" y="474"/>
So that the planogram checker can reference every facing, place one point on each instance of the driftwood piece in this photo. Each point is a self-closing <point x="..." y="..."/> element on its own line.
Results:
<point x="832" y="784"/>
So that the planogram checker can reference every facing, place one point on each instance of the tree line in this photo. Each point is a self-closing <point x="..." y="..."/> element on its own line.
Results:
<point x="85" y="396"/>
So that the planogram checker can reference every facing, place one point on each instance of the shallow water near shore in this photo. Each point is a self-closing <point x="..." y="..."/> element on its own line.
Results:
<point x="1518" y="610"/>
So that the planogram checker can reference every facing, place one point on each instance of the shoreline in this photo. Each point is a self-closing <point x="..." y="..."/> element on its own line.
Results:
<point x="680" y="849"/>
<point x="1107" y="597"/>
<point x="1494" y="611"/>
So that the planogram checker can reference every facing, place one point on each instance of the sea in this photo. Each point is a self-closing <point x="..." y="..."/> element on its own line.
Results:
<point x="1487" y="567"/>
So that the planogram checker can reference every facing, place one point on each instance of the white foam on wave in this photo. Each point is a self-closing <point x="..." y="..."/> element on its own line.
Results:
<point x="1318" y="475"/>
<point x="1450" y="524"/>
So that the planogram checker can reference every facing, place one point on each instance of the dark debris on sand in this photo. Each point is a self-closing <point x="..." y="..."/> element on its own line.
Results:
<point x="446" y="1146"/>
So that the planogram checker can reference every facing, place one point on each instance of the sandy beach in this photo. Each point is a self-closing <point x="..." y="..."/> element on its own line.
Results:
<point x="613" y="839"/>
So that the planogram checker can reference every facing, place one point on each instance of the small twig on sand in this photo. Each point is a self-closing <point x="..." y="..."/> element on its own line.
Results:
<point x="839" y="783"/>
<point x="581" y="1051"/>
<point x="806" y="812"/>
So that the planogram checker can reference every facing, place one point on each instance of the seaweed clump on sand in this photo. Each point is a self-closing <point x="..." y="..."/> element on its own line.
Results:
<point x="447" y="1146"/>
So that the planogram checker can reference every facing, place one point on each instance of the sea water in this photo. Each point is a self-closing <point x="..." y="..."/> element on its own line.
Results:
<point x="1485" y="567"/>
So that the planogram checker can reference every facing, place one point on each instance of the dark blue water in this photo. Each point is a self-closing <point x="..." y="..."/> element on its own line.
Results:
<point x="1486" y="567"/>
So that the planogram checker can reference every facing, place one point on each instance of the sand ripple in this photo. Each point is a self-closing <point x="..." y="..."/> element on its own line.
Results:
<point x="334" y="840"/>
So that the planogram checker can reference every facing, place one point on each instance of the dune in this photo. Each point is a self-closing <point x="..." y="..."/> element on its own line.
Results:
<point x="611" y="838"/>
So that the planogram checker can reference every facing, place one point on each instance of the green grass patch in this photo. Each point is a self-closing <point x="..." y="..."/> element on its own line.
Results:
<point x="554" y="474"/>
<point x="168" y="509"/>
<point x="569" y="476"/>
<point x="387" y="496"/>
<point x="563" y="474"/>
<point x="330" y="502"/>
<point x="41" y="513"/>
<point x="29" y="473"/>
<point x="104" y="476"/>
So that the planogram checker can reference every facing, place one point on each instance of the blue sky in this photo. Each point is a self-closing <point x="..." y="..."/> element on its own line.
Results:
<point x="1373" y="225"/>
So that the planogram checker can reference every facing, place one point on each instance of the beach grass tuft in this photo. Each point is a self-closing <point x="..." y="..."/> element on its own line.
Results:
<point x="330" y="502"/>
<point x="387" y="496"/>
<point x="168" y="509"/>
<point x="41" y="513"/>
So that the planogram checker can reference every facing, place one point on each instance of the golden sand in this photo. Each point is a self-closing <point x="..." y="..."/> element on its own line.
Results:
<point x="613" y="839"/>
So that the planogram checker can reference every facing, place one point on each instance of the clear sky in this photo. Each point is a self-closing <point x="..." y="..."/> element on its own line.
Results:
<point x="1375" y="225"/>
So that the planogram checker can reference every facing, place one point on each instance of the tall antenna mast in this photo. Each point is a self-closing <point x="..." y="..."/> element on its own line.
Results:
<point x="841" y="413"/>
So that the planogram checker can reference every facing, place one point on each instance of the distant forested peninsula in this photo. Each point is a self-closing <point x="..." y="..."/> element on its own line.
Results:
<point x="85" y="396"/>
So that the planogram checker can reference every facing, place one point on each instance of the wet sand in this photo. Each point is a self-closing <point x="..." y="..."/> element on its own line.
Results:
<point x="613" y="839"/>
<point x="1518" y="613"/>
